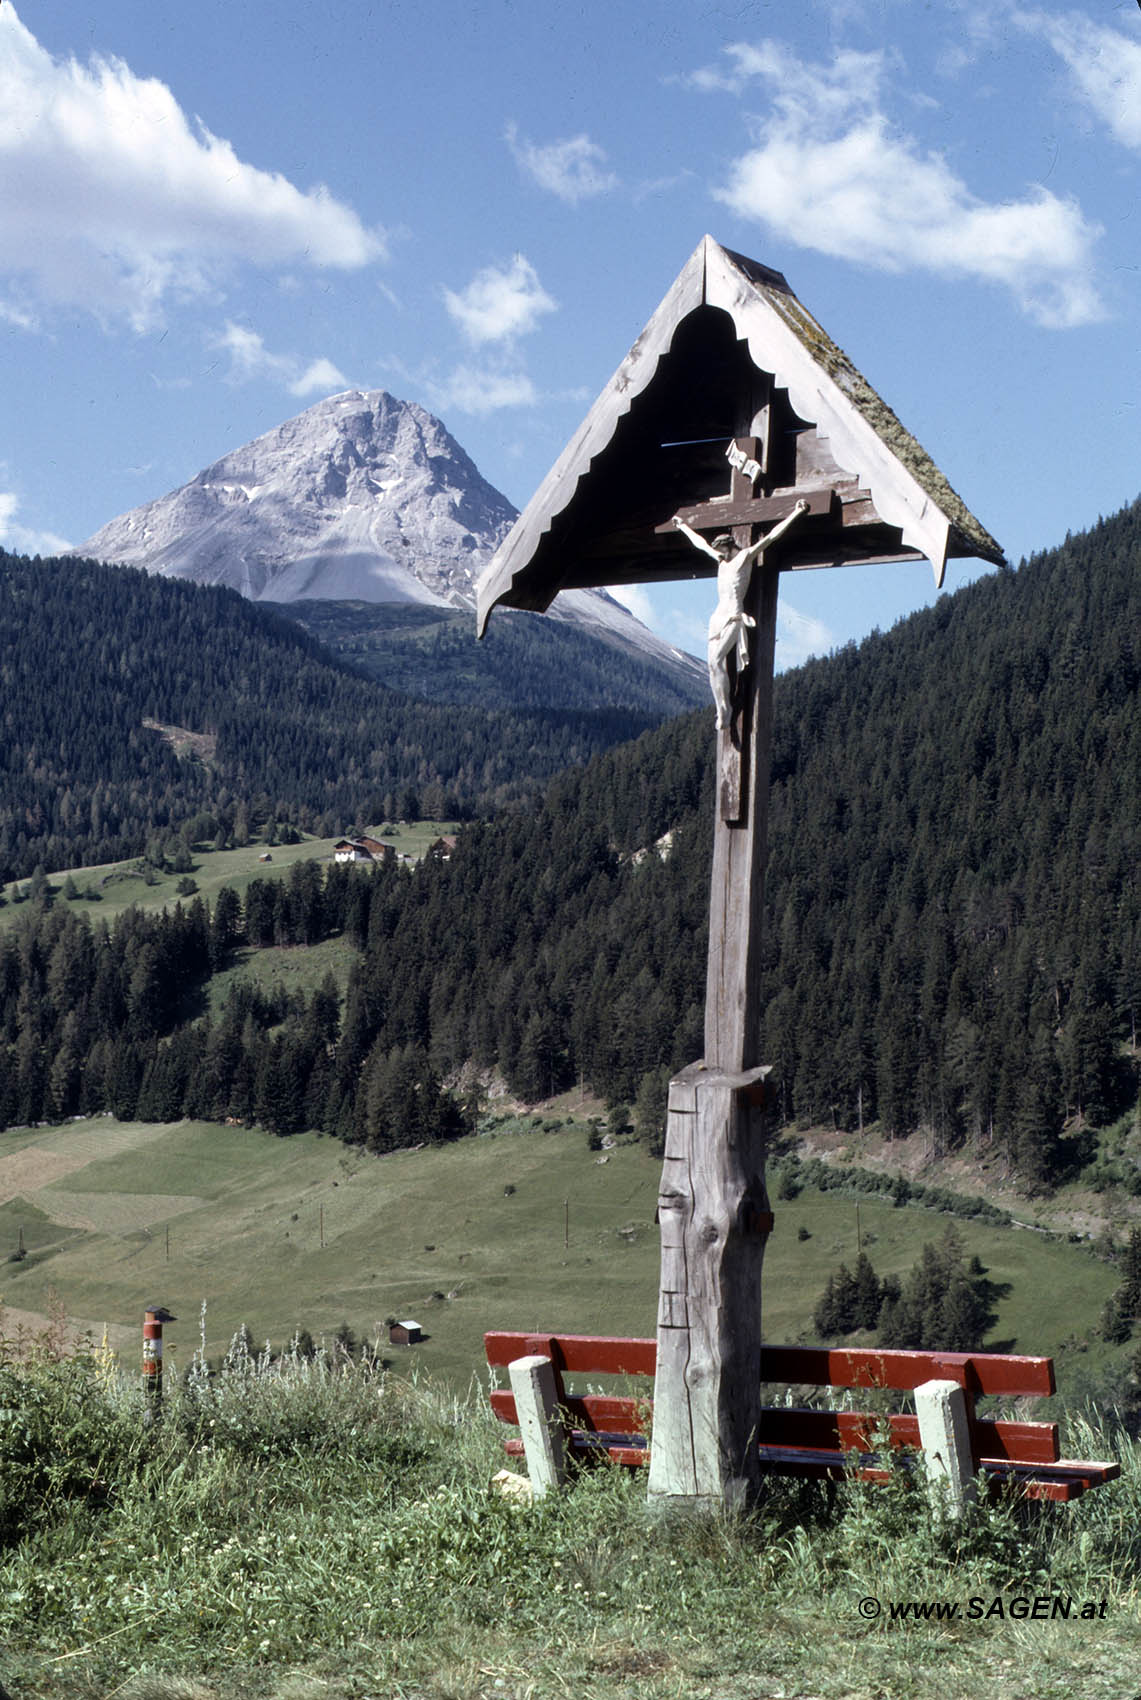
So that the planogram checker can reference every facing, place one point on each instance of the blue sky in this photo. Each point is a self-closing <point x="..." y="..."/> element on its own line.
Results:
<point x="211" y="216"/>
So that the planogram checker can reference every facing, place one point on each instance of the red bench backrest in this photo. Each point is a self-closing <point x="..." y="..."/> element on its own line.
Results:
<point x="814" y="1366"/>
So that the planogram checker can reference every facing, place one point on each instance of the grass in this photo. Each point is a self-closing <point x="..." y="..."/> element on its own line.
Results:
<point x="400" y="1233"/>
<point x="110" y="888"/>
<point x="291" y="1532"/>
<point x="115" y="1215"/>
<point x="296" y="968"/>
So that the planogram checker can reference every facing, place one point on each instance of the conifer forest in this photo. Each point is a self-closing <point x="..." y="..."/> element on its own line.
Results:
<point x="954" y="886"/>
<point x="93" y="659"/>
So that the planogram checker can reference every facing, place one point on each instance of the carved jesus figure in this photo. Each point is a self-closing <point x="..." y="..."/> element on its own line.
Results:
<point x="729" y="624"/>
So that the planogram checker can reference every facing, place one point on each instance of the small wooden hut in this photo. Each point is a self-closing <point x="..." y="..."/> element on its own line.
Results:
<point x="406" y="1333"/>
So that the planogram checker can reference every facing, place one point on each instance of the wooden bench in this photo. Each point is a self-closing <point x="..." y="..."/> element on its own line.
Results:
<point x="799" y="1442"/>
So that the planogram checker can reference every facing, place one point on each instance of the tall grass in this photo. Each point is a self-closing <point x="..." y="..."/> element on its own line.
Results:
<point x="301" y="1527"/>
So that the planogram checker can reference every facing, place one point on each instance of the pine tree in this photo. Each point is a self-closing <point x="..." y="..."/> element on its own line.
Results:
<point x="869" y="1293"/>
<point x="651" y="1108"/>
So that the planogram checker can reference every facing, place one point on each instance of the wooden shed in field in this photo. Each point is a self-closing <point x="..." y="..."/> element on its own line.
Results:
<point x="407" y="1333"/>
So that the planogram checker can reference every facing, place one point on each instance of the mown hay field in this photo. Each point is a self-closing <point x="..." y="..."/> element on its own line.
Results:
<point x="515" y="1228"/>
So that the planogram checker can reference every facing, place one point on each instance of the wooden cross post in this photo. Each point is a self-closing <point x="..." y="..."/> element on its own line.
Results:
<point x="730" y="346"/>
<point x="713" y="1207"/>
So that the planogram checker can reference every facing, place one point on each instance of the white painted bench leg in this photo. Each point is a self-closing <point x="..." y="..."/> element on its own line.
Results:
<point x="945" y="1436"/>
<point x="540" y="1422"/>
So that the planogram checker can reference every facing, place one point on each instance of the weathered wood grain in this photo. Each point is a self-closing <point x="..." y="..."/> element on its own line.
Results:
<point x="533" y="1384"/>
<point x="736" y="899"/>
<point x="713" y="1211"/>
<point x="752" y="510"/>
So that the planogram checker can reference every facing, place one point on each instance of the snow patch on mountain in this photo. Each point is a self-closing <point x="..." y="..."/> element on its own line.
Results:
<point x="360" y="498"/>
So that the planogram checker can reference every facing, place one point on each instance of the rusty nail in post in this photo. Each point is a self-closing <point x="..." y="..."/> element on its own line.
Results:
<point x="153" y="1319"/>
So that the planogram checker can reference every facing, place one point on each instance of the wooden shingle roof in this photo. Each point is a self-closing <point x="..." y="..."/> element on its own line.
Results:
<point x="729" y="350"/>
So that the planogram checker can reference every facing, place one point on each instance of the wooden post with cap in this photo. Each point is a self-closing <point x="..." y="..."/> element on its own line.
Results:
<point x="153" y="1318"/>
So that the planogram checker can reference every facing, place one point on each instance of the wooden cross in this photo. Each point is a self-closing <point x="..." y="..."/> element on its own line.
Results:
<point x="713" y="1207"/>
<point x="740" y="513"/>
<point x="732" y="1012"/>
<point x="729" y="343"/>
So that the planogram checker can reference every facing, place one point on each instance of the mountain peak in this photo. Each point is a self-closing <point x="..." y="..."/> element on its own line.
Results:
<point x="361" y="497"/>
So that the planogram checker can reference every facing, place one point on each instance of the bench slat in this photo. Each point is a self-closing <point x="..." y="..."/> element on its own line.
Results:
<point x="593" y="1446"/>
<point x="595" y="1412"/>
<point x="812" y="1366"/>
<point x="1065" y="1480"/>
<point x="781" y="1425"/>
<point x="846" y="1366"/>
<point x="593" y="1354"/>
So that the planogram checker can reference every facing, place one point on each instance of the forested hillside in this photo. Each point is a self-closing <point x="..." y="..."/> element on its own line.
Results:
<point x="89" y="652"/>
<point x="524" y="660"/>
<point x="955" y="937"/>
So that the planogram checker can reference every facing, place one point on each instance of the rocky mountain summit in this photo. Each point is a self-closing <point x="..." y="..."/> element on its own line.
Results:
<point x="361" y="498"/>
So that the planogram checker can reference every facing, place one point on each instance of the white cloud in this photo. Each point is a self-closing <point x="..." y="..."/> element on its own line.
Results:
<point x="320" y="377"/>
<point x="852" y="81"/>
<point x="573" y="169"/>
<point x="250" y="358"/>
<point x="800" y="636"/>
<point x="830" y="173"/>
<point x="1106" y="67"/>
<point x="20" y="538"/>
<point x="637" y="599"/>
<point x="470" y="389"/>
<point x="17" y="316"/>
<point x="116" y="202"/>
<point x="500" y="302"/>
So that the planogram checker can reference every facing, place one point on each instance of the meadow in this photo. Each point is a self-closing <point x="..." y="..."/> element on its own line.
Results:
<point x="326" y="1529"/>
<point x="106" y="890"/>
<point x="522" y="1226"/>
<point x="296" y="1532"/>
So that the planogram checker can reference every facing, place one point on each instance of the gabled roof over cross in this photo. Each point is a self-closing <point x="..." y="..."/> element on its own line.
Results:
<point x="729" y="353"/>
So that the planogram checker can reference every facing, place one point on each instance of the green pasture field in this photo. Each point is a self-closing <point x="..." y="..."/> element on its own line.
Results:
<point x="116" y="1216"/>
<point x="292" y="968"/>
<point x="112" y="887"/>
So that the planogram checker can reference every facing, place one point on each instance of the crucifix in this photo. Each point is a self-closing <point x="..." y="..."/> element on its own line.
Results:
<point x="730" y="366"/>
<point x="713" y="1207"/>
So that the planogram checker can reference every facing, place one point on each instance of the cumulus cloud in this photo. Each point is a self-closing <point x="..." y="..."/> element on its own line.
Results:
<point x="115" y="201"/>
<point x="1106" y="67"/>
<point x="574" y="169"/>
<point x="472" y="389"/>
<point x="500" y="303"/>
<point x="21" y="538"/>
<point x="250" y="358"/>
<point x="830" y="173"/>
